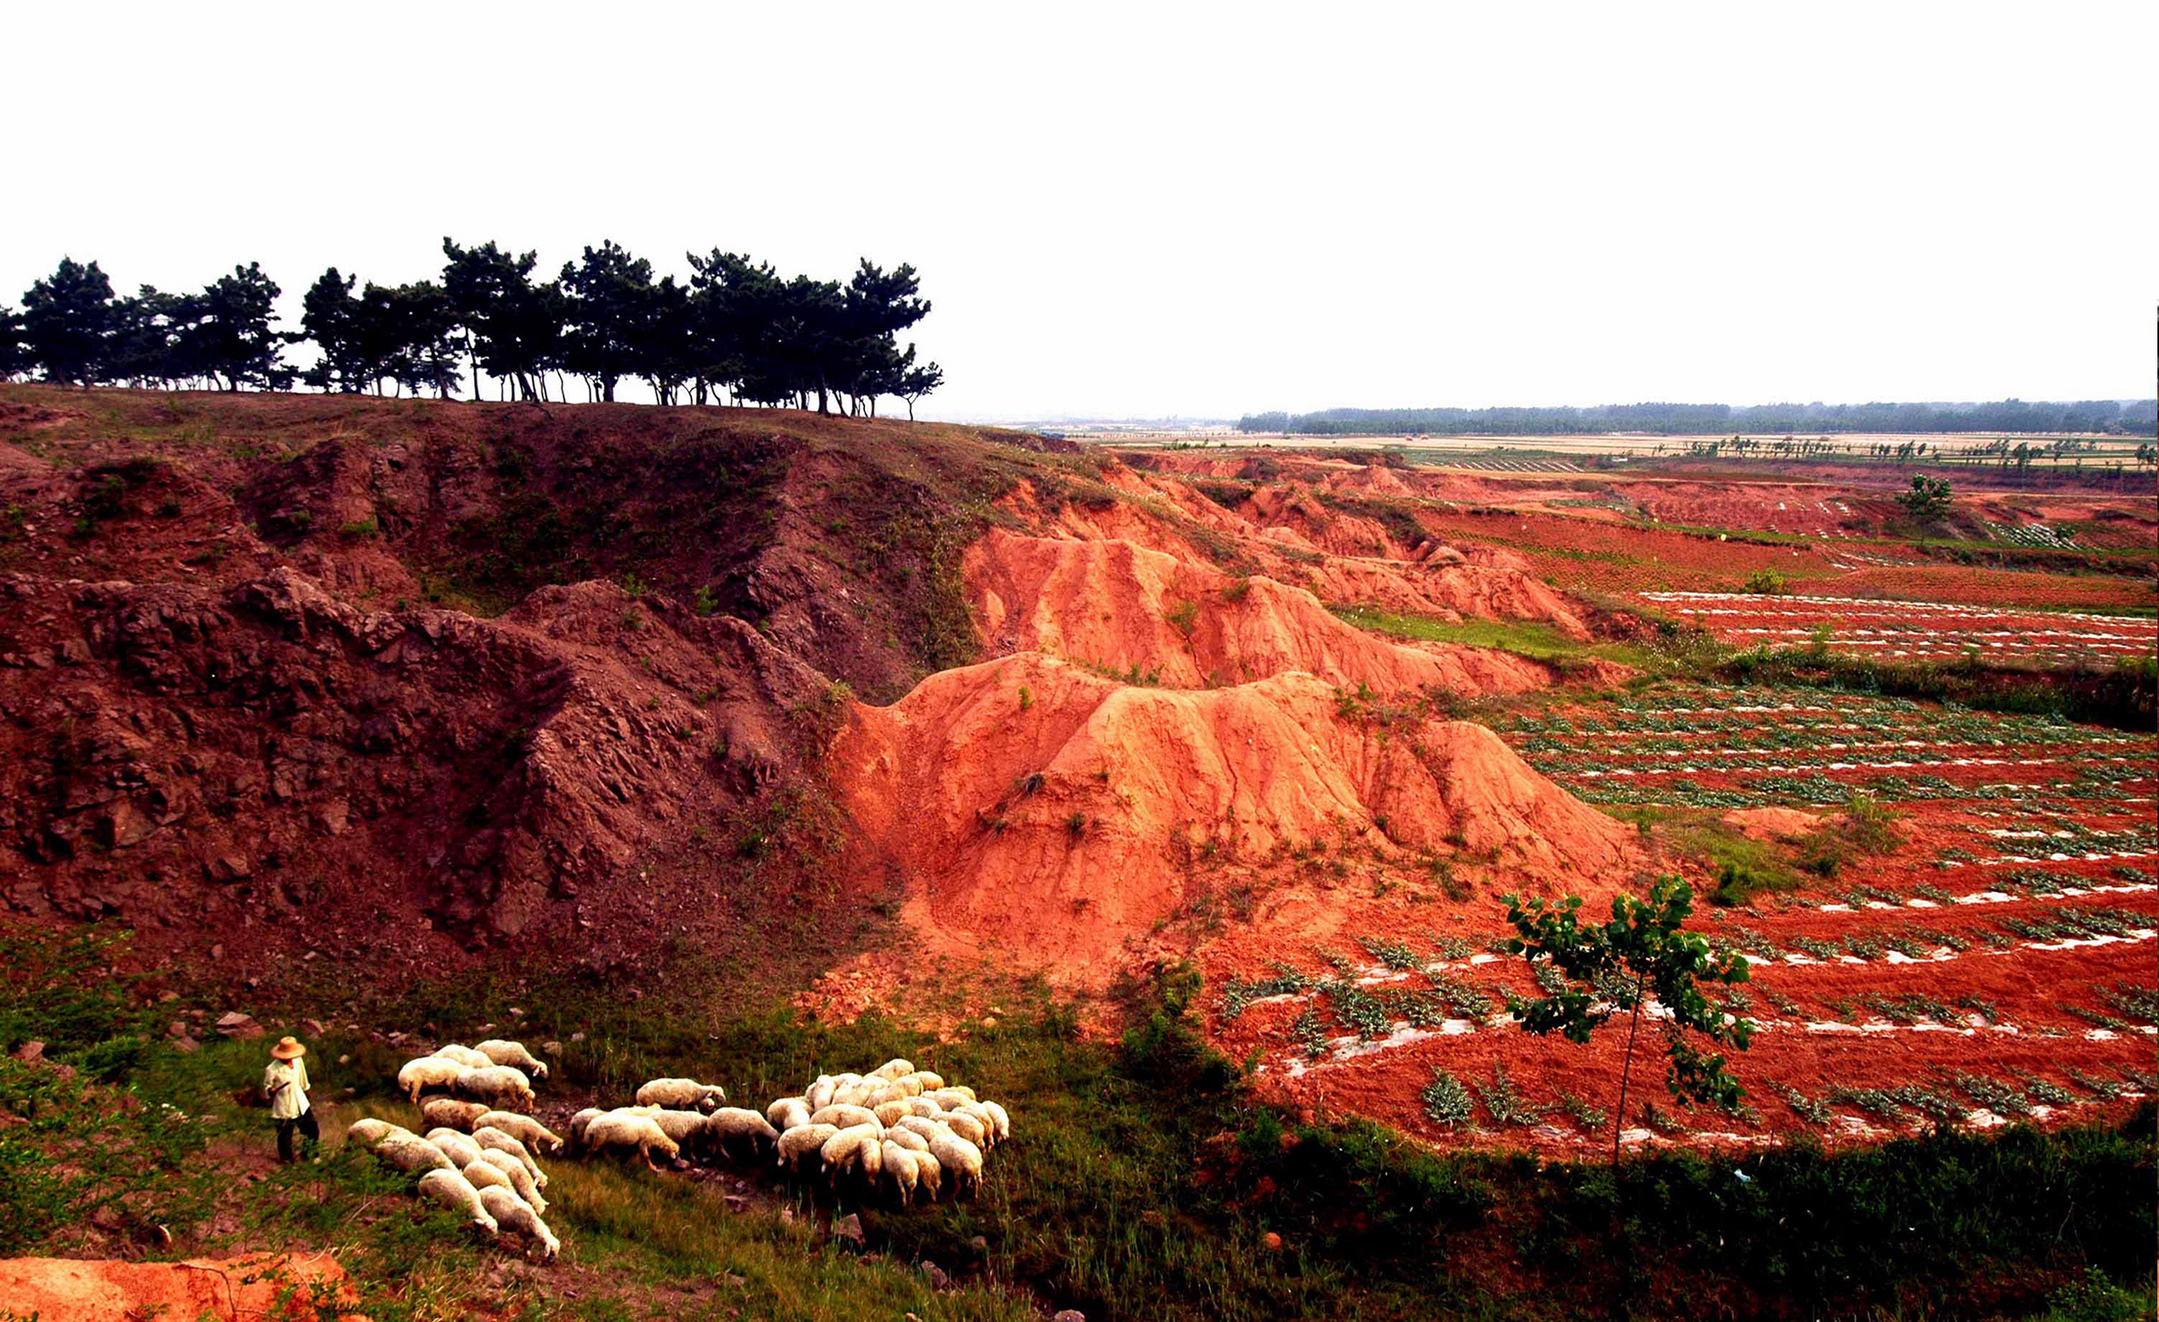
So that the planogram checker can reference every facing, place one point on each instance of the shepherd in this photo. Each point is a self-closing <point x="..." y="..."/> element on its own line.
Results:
<point x="284" y="1083"/>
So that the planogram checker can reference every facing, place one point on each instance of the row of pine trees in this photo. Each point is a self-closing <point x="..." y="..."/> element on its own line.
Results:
<point x="735" y="332"/>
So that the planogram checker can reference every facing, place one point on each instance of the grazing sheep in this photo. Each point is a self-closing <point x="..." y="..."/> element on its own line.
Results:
<point x="966" y="1126"/>
<point x="924" y="1107"/>
<point x="845" y="1116"/>
<point x="890" y="1113"/>
<point x="631" y="1133"/>
<point x="465" y="1056"/>
<point x="523" y="1128"/>
<point x="853" y="1094"/>
<point x="577" y="1126"/>
<point x="819" y="1094"/>
<point x="499" y="1052"/>
<point x="929" y="1176"/>
<point x="514" y="1217"/>
<point x="681" y="1094"/>
<point x="899" y="1163"/>
<point x="425" y="1072"/>
<point x="687" y="1128"/>
<point x="858" y="1146"/>
<point x="455" y="1192"/>
<point x="370" y="1131"/>
<point x="788" y="1112"/>
<point x="735" y="1122"/>
<point x="959" y="1158"/>
<point x="457" y="1147"/>
<point x="480" y="1174"/>
<point x="924" y="1126"/>
<point x="930" y="1082"/>
<point x="489" y="1137"/>
<point x="503" y="1086"/>
<point x="802" y="1141"/>
<point x="907" y="1138"/>
<point x="892" y="1069"/>
<point x="910" y="1085"/>
<point x="514" y="1171"/>
<point x="890" y="1092"/>
<point x="412" y="1155"/>
<point x="450" y="1113"/>
<point x="1001" y="1119"/>
<point x="949" y="1096"/>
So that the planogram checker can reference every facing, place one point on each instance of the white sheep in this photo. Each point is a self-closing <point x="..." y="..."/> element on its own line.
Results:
<point x="819" y="1094"/>
<point x="681" y="1094"/>
<point x="513" y="1216"/>
<point x="523" y="1128"/>
<point x="925" y="1107"/>
<point x="860" y="1147"/>
<point x="450" y="1113"/>
<point x="455" y="1192"/>
<point x="802" y="1141"/>
<point x="959" y="1158"/>
<point x="845" y="1115"/>
<point x="930" y="1081"/>
<point x="788" y="1112"/>
<point x="425" y="1072"/>
<point x="687" y="1128"/>
<point x="577" y="1126"/>
<point x="907" y="1138"/>
<point x="1000" y="1118"/>
<point x="412" y="1155"/>
<point x="735" y="1122"/>
<point x="500" y="1052"/>
<point x="929" y="1176"/>
<point x="890" y="1092"/>
<point x="488" y="1137"/>
<point x="899" y="1163"/>
<point x="950" y="1096"/>
<point x="369" y="1131"/>
<point x="972" y="1123"/>
<point x="890" y="1113"/>
<point x="514" y="1171"/>
<point x="480" y="1174"/>
<point x="892" y="1069"/>
<point x="503" y="1086"/>
<point x="853" y="1094"/>
<point x="465" y="1056"/>
<point x="457" y="1147"/>
<point x="910" y="1085"/>
<point x="924" y="1126"/>
<point x="631" y="1133"/>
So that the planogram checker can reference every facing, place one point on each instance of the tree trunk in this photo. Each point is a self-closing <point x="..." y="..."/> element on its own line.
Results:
<point x="1619" y="1119"/>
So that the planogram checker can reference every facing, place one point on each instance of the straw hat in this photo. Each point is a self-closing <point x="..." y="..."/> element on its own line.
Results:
<point x="288" y="1048"/>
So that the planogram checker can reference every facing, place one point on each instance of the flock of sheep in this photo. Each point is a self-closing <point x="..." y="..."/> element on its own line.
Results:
<point x="477" y="1155"/>
<point x="896" y="1123"/>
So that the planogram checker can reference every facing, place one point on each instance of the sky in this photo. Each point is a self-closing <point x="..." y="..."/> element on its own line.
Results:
<point x="1200" y="210"/>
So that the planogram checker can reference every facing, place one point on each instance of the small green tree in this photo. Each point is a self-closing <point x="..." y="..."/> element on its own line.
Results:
<point x="1928" y="498"/>
<point x="1641" y="954"/>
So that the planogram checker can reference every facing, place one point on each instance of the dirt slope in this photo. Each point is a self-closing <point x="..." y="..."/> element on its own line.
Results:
<point x="1054" y="816"/>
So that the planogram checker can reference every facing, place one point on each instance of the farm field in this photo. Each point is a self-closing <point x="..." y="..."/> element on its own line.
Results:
<point x="1995" y="965"/>
<point x="1899" y="630"/>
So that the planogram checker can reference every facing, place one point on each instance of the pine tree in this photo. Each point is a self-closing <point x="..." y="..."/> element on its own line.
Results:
<point x="68" y="322"/>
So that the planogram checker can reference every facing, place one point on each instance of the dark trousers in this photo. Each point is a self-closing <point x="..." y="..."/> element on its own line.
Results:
<point x="305" y="1123"/>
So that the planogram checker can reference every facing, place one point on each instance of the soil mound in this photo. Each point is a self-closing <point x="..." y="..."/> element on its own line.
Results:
<point x="1050" y="816"/>
<point x="279" y="1286"/>
<point x="1117" y="606"/>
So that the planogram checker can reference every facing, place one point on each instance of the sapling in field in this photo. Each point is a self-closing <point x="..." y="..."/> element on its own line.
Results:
<point x="1641" y="954"/>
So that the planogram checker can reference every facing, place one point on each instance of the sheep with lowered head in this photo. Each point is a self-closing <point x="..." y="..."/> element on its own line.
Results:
<point x="618" y="1131"/>
<point x="741" y="1124"/>
<point x="523" y="1128"/>
<point x="450" y="1113"/>
<point x="489" y="1137"/>
<point x="514" y="1171"/>
<point x="455" y="1192"/>
<point x="512" y="1216"/>
<point x="505" y="1087"/>
<point x="465" y="1056"/>
<point x="369" y="1131"/>
<point x="788" y="1112"/>
<point x="959" y="1159"/>
<point x="899" y="1163"/>
<point x="802" y="1141"/>
<point x="907" y="1138"/>
<point x="681" y="1094"/>
<point x="929" y="1176"/>
<point x="480" y="1174"/>
<point x="411" y="1155"/>
<point x="500" y="1052"/>
<point x="857" y="1147"/>
<point x="429" y="1072"/>
<point x="459" y="1148"/>
<point x="845" y="1116"/>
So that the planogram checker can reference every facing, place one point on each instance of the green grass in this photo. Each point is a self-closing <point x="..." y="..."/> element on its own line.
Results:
<point x="1525" y="638"/>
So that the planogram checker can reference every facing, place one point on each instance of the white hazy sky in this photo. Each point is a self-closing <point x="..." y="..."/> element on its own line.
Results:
<point x="1152" y="209"/>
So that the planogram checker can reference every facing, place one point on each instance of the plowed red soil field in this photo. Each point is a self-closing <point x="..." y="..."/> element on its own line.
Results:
<point x="1998" y="964"/>
<point x="1903" y="630"/>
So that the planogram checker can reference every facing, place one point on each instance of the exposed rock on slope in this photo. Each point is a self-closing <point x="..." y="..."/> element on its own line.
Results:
<point x="1121" y="606"/>
<point x="1052" y="815"/>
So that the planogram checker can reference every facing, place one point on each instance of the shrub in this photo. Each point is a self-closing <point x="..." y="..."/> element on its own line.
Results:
<point x="1446" y="1101"/>
<point x="1766" y="582"/>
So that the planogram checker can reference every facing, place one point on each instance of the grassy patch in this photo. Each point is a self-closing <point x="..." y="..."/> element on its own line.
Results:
<point x="1525" y="638"/>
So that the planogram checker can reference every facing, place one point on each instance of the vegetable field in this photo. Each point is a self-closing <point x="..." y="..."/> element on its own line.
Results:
<point x="1912" y="630"/>
<point x="1949" y="916"/>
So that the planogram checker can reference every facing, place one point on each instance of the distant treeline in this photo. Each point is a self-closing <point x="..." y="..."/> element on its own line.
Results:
<point x="2137" y="418"/>
<point x="735" y="329"/>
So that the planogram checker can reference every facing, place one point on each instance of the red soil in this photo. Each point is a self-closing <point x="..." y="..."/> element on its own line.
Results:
<point x="218" y="1289"/>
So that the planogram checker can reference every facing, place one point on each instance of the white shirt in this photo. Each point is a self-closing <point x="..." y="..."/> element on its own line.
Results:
<point x="290" y="1101"/>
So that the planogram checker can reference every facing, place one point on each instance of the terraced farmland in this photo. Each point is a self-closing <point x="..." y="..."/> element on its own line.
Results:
<point x="1996" y="964"/>
<point x="1912" y="630"/>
